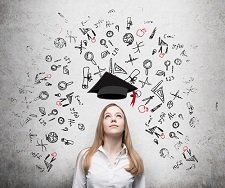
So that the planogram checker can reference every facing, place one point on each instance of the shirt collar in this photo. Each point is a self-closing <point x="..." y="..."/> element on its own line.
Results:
<point x="123" y="150"/>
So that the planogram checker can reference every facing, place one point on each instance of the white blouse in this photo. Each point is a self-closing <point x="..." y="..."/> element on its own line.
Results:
<point x="103" y="174"/>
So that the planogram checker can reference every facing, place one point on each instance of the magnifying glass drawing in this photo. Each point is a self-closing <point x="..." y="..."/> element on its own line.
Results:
<point x="89" y="56"/>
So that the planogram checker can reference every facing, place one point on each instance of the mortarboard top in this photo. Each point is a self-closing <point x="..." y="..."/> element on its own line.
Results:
<point x="111" y="87"/>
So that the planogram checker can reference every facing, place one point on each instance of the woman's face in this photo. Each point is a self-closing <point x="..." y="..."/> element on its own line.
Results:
<point x="113" y="122"/>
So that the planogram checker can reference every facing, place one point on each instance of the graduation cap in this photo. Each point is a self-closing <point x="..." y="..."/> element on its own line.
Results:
<point x="112" y="87"/>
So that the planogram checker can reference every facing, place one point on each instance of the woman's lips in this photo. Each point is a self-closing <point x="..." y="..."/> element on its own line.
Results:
<point x="113" y="126"/>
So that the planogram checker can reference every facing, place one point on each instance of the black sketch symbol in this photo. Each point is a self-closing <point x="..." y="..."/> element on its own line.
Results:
<point x="48" y="58"/>
<point x="162" y="43"/>
<point x="167" y="64"/>
<point x="109" y="34"/>
<point x="65" y="129"/>
<point x="129" y="23"/>
<point x="71" y="37"/>
<point x="58" y="94"/>
<point x="62" y="85"/>
<point x="138" y="45"/>
<point x="86" y="77"/>
<point x="133" y="76"/>
<point x="43" y="95"/>
<point x="165" y="153"/>
<point x="176" y="95"/>
<point x="81" y="126"/>
<point x="48" y="84"/>
<point x="42" y="110"/>
<point x="103" y="42"/>
<point x="117" y="27"/>
<point x="59" y="43"/>
<point x="183" y="53"/>
<point x="48" y="164"/>
<point x="43" y="146"/>
<point x="154" y="131"/>
<point x="160" y="73"/>
<point x="110" y="42"/>
<point x="193" y="122"/>
<point x="67" y="142"/>
<point x="111" y="66"/>
<point x="178" y="61"/>
<point x="152" y="34"/>
<point x="175" y="124"/>
<point x="118" y="69"/>
<point x="85" y="31"/>
<point x="53" y="112"/>
<point x="99" y="71"/>
<point x="89" y="56"/>
<point x="156" y="141"/>
<point x="145" y="82"/>
<point x="154" y="51"/>
<point x="131" y="59"/>
<point x="128" y="38"/>
<point x="61" y="120"/>
<point x="147" y="64"/>
<point x="148" y="99"/>
<point x="55" y="67"/>
<point x="81" y="46"/>
<point x="190" y="90"/>
<point x="65" y="70"/>
<point x="158" y="91"/>
<point x="170" y="115"/>
<point x="115" y="51"/>
<point x="170" y="104"/>
<point x="104" y="54"/>
<point x="31" y="136"/>
<point x="180" y="116"/>
<point x="52" y="137"/>
<point x="157" y="107"/>
<point x="178" y="145"/>
<point x="190" y="108"/>
<point x="173" y="135"/>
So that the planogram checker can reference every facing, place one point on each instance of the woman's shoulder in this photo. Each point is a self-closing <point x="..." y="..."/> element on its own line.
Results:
<point x="83" y="152"/>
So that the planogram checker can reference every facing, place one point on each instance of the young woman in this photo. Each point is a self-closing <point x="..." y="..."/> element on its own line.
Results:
<point x="111" y="161"/>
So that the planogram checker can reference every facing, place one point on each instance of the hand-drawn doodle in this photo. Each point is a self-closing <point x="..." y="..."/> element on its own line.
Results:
<point x="85" y="31"/>
<point x="141" y="32"/>
<point x="192" y="166"/>
<point x="133" y="76"/>
<point x="71" y="121"/>
<point x="40" y="168"/>
<point x="170" y="115"/>
<point x="118" y="69"/>
<point x="170" y="78"/>
<point x="78" y="99"/>
<point x="173" y="135"/>
<point x="157" y="107"/>
<point x="66" y="70"/>
<point x="52" y="137"/>
<point x="104" y="54"/>
<point x="128" y="38"/>
<point x="115" y="51"/>
<point x="61" y="120"/>
<point x="160" y="73"/>
<point x="43" y="95"/>
<point x="175" y="124"/>
<point x="153" y="33"/>
<point x="36" y="155"/>
<point x="180" y="116"/>
<point x="48" y="58"/>
<point x="62" y="16"/>
<point x="156" y="141"/>
<point x="165" y="153"/>
<point x="31" y="135"/>
<point x="158" y="91"/>
<point x="148" y="99"/>
<point x="147" y="64"/>
<point x="193" y="122"/>
<point x="189" y="80"/>
<point x="89" y="56"/>
<point x="67" y="142"/>
<point x="183" y="53"/>
<point x="154" y="51"/>
<point x="108" y="23"/>
<point x="176" y="95"/>
<point x="162" y="43"/>
<point x="179" y="163"/>
<point x="190" y="90"/>
<point x="53" y="112"/>
<point x="167" y="64"/>
<point x="117" y="27"/>
<point x="170" y="104"/>
<point x="62" y="85"/>
<point x="81" y="46"/>
<point x="59" y="43"/>
<point x="58" y="94"/>
<point x="71" y="37"/>
<point x="145" y="82"/>
<point x="99" y="71"/>
<point x="149" y="121"/>
<point x="81" y="126"/>
<point x="86" y="77"/>
<point x="178" y="145"/>
<point x="131" y="59"/>
<point x="65" y="129"/>
<point x="190" y="108"/>
<point x="192" y="157"/>
<point x="48" y="164"/>
<point x="142" y="109"/>
<point x="103" y="43"/>
<point x="138" y="45"/>
<point x="42" y="110"/>
<point x="43" y="146"/>
<point x="154" y="131"/>
<point x="129" y="23"/>
<point x="162" y="116"/>
<point x="55" y="67"/>
<point x="178" y="61"/>
<point x="48" y="84"/>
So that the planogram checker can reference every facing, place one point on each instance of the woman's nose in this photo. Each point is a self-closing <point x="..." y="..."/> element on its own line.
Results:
<point x="113" y="119"/>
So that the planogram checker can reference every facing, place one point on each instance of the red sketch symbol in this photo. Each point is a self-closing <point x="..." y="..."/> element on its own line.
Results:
<point x="185" y="148"/>
<point x="143" y="108"/>
<point x="162" y="55"/>
<point x="93" y="40"/>
<point x="162" y="135"/>
<point x="49" y="76"/>
<point x="141" y="32"/>
<point x="54" y="154"/>
<point x="59" y="103"/>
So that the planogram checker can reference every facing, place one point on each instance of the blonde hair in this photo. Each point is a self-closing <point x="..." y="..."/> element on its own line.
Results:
<point x="135" y="161"/>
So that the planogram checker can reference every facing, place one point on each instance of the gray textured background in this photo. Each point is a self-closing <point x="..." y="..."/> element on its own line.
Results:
<point x="28" y="30"/>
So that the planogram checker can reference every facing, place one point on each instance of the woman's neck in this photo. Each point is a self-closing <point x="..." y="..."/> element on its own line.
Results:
<point x="112" y="145"/>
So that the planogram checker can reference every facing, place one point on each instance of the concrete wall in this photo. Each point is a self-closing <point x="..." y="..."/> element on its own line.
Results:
<point x="40" y="47"/>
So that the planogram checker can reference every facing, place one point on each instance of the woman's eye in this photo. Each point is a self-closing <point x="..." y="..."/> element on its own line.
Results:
<point x="119" y="116"/>
<point x="107" y="116"/>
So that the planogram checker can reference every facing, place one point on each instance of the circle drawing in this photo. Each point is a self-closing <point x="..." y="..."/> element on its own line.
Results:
<point x="52" y="137"/>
